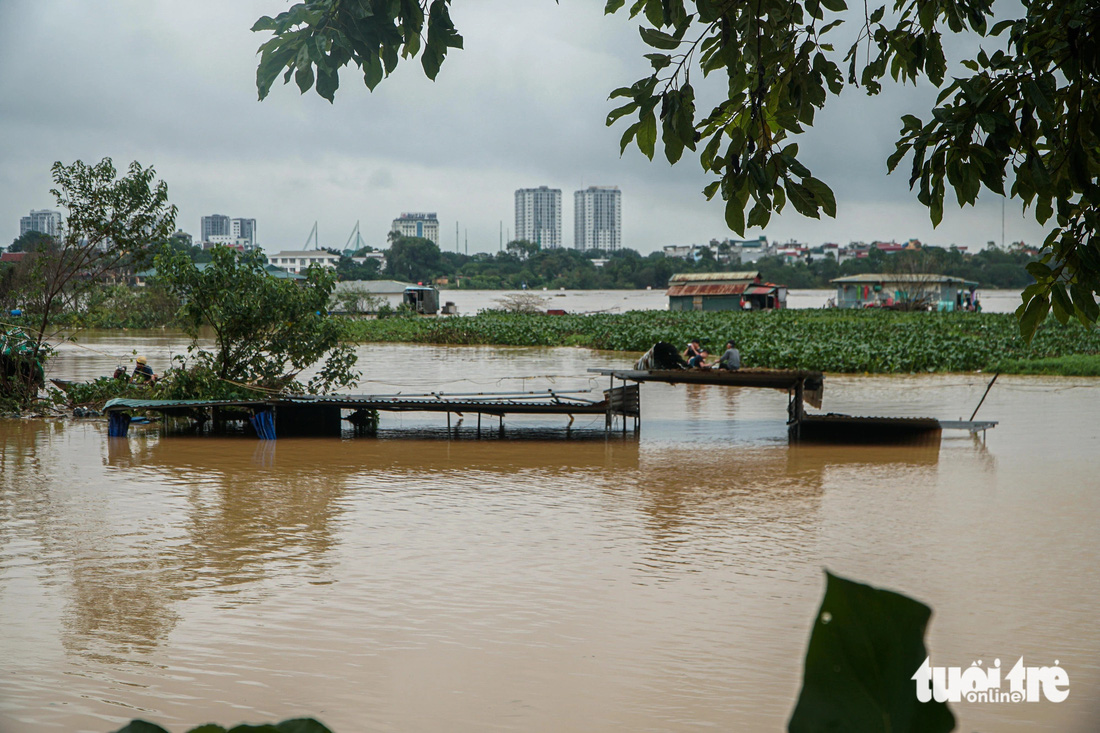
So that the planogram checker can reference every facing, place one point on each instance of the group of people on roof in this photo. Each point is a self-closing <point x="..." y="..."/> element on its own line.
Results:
<point x="696" y="356"/>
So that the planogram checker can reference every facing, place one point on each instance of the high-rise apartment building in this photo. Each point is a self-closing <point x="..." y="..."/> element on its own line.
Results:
<point x="43" y="220"/>
<point x="598" y="218"/>
<point x="244" y="231"/>
<point x="414" y="224"/>
<point x="215" y="225"/>
<point x="219" y="229"/>
<point x="538" y="216"/>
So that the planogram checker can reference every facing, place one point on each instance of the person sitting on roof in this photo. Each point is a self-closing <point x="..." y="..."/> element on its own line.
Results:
<point x="731" y="358"/>
<point x="695" y="355"/>
<point x="143" y="372"/>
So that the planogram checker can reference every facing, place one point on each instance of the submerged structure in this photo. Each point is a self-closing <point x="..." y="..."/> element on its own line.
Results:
<point x="909" y="291"/>
<point x="724" y="291"/>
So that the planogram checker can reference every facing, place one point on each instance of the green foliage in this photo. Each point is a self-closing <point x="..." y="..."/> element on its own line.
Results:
<point x="830" y="340"/>
<point x="266" y="330"/>
<point x="1029" y="113"/>
<point x="413" y="259"/>
<point x="109" y="221"/>
<point x="31" y="241"/>
<point x="326" y="35"/>
<point x="98" y="391"/>
<point x="120" y="306"/>
<point x="1069" y="365"/>
<point x="294" y="725"/>
<point x="865" y="646"/>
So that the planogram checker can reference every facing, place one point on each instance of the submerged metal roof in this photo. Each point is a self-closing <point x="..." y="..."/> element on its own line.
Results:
<point x="706" y="289"/>
<point x="704" y="277"/>
<point x="871" y="278"/>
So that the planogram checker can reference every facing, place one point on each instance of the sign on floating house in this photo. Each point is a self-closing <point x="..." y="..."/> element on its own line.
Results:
<point x="723" y="291"/>
<point x="905" y="291"/>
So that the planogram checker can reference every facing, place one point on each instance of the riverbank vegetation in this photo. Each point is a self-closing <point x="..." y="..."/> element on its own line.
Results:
<point x="830" y="340"/>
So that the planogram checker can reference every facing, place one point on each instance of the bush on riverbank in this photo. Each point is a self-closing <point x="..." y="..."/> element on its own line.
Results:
<point x="829" y="340"/>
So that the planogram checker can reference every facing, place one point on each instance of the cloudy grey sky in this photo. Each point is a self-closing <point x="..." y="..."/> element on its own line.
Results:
<point x="172" y="84"/>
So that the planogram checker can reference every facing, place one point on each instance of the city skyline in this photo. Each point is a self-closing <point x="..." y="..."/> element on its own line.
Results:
<point x="293" y="159"/>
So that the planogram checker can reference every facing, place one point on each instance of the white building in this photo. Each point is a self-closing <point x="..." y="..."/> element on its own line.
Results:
<point x="43" y="220"/>
<point x="538" y="216"/>
<point x="299" y="261"/>
<point x="414" y="224"/>
<point x="244" y="231"/>
<point x="598" y="218"/>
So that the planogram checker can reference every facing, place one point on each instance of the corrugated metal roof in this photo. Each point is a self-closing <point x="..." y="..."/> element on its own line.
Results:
<point x="704" y="289"/>
<point x="374" y="287"/>
<point x="764" y="289"/>
<point x="871" y="278"/>
<point x="695" y="277"/>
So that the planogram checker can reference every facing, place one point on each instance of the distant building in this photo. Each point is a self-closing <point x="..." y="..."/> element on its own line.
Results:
<point x="295" y="261"/>
<point x="723" y="291"/>
<point x="538" y="216"/>
<point x="413" y="224"/>
<point x="244" y="231"/>
<point x="215" y="225"/>
<point x="43" y="220"/>
<point x="598" y="218"/>
<point x="909" y="290"/>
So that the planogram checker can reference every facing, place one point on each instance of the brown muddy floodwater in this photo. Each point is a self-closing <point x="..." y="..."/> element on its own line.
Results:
<point x="418" y="583"/>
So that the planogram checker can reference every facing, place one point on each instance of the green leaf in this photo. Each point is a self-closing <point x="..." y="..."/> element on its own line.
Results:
<point x="823" y="194"/>
<point x="865" y="647"/>
<point x="647" y="134"/>
<point x="1033" y="314"/>
<point x="1062" y="305"/>
<point x="735" y="216"/>
<point x="264" y="24"/>
<point x="1039" y="271"/>
<point x="1086" y="307"/>
<point x="802" y="199"/>
<point x="208" y="728"/>
<point x="328" y="80"/>
<point x="612" y="6"/>
<point x="303" y="77"/>
<point x="301" y="725"/>
<point x="657" y="39"/>
<point x="836" y="6"/>
<point x="620" y="111"/>
<point x="141" y="726"/>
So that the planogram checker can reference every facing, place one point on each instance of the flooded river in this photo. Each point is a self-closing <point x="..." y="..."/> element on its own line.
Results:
<point x="415" y="582"/>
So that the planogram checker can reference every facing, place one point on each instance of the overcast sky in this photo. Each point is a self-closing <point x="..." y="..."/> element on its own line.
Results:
<point x="172" y="85"/>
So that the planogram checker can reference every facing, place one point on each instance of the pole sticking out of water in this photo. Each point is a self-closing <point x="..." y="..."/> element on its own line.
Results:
<point x="987" y="388"/>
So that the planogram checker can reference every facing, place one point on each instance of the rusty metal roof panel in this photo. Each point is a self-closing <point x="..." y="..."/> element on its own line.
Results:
<point x="715" y="289"/>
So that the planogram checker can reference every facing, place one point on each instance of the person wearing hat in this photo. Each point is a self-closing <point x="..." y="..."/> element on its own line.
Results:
<point x="143" y="372"/>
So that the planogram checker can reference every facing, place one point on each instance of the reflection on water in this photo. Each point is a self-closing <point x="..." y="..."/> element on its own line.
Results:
<point x="422" y="581"/>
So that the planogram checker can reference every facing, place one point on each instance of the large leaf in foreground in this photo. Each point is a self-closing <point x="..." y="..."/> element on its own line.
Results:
<point x="865" y="646"/>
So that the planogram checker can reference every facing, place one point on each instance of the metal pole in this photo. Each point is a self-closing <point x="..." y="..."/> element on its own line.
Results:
<point x="987" y="388"/>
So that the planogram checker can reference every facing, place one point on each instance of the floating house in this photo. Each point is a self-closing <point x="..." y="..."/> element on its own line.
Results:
<point x="904" y="291"/>
<point x="423" y="299"/>
<point x="372" y="295"/>
<point x="723" y="291"/>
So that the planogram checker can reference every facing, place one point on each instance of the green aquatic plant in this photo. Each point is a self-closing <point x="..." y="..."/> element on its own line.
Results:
<point x="870" y="341"/>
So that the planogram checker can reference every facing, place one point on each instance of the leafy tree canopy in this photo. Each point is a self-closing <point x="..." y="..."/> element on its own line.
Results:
<point x="31" y="241"/>
<point x="1026" y="114"/>
<point x="267" y="330"/>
